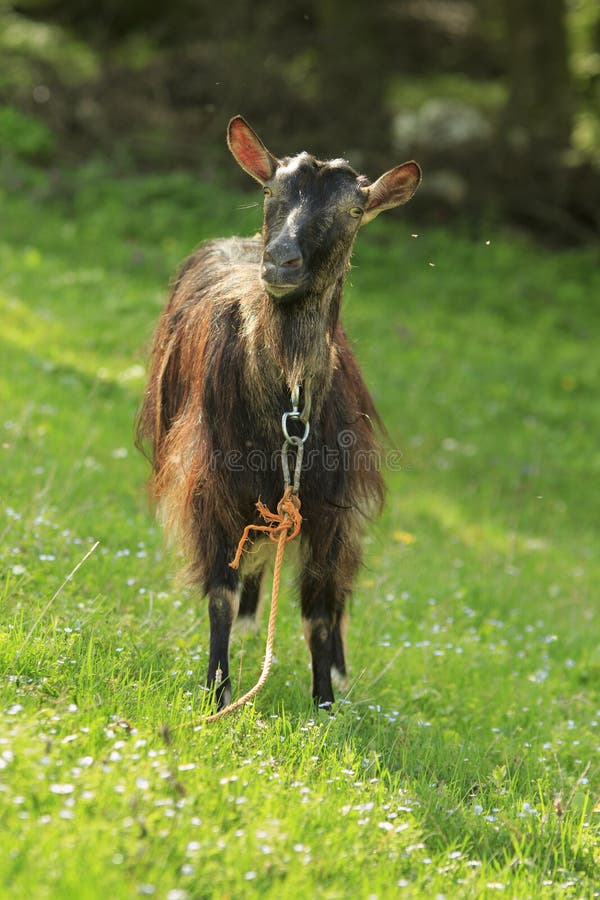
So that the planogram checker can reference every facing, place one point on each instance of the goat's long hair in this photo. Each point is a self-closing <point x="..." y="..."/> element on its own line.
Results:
<point x="210" y="420"/>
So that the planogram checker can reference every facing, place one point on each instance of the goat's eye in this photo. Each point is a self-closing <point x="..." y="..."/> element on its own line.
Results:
<point x="267" y="192"/>
<point x="356" y="212"/>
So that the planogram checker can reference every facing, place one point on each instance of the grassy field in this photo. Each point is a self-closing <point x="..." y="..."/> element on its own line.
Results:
<point x="465" y="759"/>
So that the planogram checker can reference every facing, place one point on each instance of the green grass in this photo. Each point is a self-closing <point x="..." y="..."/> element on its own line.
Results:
<point x="464" y="761"/>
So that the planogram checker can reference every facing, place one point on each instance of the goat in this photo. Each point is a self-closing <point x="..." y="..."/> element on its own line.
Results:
<point x="250" y="322"/>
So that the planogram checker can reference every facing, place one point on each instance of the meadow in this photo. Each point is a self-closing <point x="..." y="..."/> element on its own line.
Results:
<point x="464" y="760"/>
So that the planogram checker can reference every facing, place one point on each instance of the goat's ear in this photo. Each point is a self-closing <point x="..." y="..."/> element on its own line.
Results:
<point x="393" y="189"/>
<point x="249" y="151"/>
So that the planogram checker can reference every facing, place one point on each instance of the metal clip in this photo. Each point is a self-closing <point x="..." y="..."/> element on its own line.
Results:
<point x="285" y="465"/>
<point x="295" y="398"/>
<point x="295" y="416"/>
<point x="307" y="397"/>
<point x="293" y="440"/>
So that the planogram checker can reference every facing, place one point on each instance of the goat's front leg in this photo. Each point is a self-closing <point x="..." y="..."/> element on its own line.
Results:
<point x="223" y="588"/>
<point x="223" y="606"/>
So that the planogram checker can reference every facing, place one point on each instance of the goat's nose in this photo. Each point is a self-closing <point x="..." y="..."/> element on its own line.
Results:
<point x="288" y="257"/>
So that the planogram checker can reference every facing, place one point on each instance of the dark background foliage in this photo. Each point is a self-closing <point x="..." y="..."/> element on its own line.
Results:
<point x="498" y="99"/>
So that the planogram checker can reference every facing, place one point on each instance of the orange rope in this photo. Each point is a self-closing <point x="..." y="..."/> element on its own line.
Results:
<point x="286" y="519"/>
<point x="282" y="526"/>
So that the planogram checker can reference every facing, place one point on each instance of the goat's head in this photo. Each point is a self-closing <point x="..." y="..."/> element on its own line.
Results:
<point x="312" y="211"/>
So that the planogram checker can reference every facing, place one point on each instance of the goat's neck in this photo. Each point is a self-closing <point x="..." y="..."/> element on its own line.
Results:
<point x="294" y="344"/>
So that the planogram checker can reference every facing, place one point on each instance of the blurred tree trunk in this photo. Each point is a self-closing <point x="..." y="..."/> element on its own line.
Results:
<point x="540" y="103"/>
<point x="352" y="75"/>
<point x="538" y="119"/>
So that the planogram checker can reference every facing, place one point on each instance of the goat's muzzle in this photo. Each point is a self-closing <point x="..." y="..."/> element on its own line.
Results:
<point x="283" y="274"/>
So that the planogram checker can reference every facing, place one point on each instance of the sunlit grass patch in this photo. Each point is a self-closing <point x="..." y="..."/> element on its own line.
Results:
<point x="463" y="758"/>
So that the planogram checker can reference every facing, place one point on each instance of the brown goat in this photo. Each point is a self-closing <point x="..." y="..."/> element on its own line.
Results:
<point x="250" y="322"/>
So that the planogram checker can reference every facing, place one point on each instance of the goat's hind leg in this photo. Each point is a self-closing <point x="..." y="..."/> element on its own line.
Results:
<point x="339" y="649"/>
<point x="250" y="598"/>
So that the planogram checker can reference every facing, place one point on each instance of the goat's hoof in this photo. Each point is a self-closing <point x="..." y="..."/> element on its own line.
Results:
<point x="223" y="697"/>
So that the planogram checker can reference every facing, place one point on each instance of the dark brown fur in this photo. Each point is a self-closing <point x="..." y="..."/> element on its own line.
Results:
<point x="224" y="359"/>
